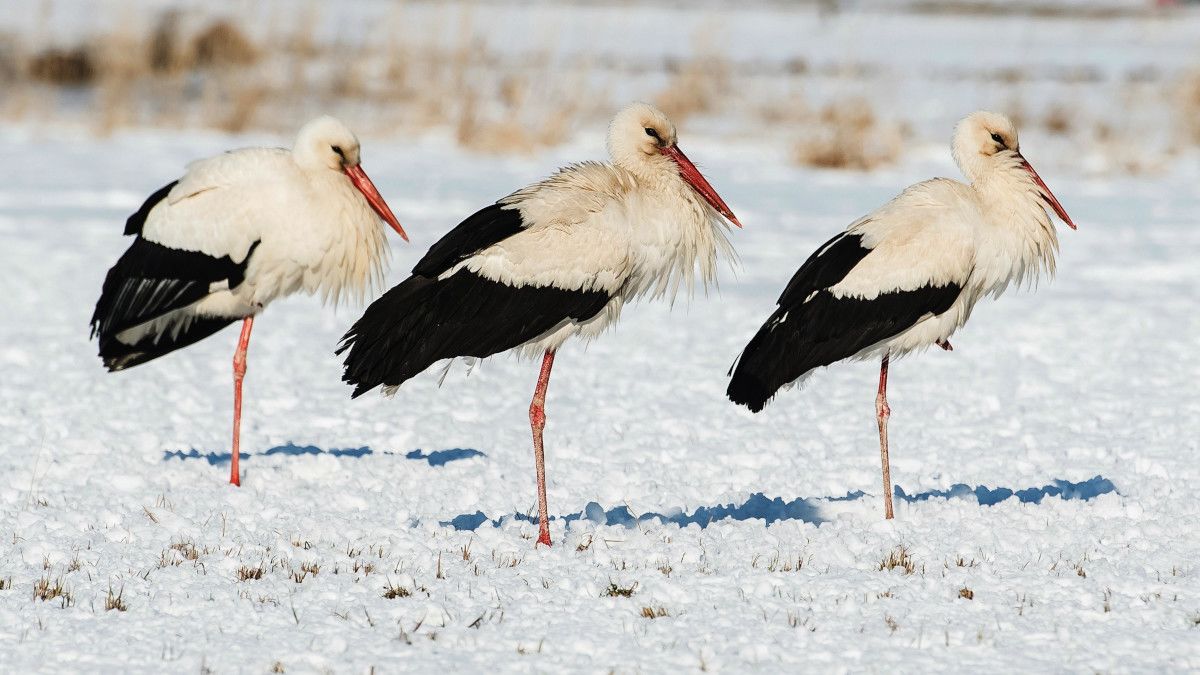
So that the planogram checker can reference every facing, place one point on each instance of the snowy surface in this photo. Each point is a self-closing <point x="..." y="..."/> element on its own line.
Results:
<point x="119" y="481"/>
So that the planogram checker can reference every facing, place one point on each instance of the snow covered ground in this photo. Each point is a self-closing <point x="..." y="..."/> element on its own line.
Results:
<point x="689" y="534"/>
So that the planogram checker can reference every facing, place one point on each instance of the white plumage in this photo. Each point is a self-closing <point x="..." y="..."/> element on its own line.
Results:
<point x="234" y="233"/>
<point x="556" y="259"/>
<point x="908" y="275"/>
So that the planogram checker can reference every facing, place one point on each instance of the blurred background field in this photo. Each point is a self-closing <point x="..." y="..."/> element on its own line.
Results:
<point x="123" y="549"/>
<point x="838" y="84"/>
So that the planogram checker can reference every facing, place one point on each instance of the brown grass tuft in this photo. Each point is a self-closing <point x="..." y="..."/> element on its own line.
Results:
<point x="848" y="135"/>
<point x="45" y="589"/>
<point x="247" y="573"/>
<point x="116" y="602"/>
<point x="1058" y="120"/>
<point x="966" y="593"/>
<point x="223" y="44"/>
<point x="64" y="67"/>
<point x="696" y="87"/>
<point x="615" y="591"/>
<point x="654" y="612"/>
<point x="392" y="591"/>
<point x="898" y="558"/>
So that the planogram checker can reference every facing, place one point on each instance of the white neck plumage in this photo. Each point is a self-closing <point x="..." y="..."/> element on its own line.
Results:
<point x="1018" y="239"/>
<point x="678" y="240"/>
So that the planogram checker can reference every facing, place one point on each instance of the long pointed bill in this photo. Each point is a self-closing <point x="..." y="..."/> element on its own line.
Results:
<point x="692" y="176"/>
<point x="365" y="186"/>
<point x="1047" y="194"/>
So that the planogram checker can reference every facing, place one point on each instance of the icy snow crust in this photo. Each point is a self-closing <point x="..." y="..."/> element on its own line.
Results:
<point x="1079" y="398"/>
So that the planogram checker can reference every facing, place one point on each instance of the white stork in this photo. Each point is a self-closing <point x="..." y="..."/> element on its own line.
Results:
<point x="234" y="233"/>
<point x="908" y="275"/>
<point x="553" y="260"/>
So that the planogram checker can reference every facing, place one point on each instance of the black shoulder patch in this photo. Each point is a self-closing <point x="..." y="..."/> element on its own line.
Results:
<point x="485" y="227"/>
<point x="135" y="222"/>
<point x="829" y="265"/>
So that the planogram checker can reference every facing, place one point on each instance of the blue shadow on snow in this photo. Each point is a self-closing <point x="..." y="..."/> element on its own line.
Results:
<point x="758" y="506"/>
<point x="435" y="458"/>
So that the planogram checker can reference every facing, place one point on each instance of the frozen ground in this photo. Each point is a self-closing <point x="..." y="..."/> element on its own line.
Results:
<point x="767" y="550"/>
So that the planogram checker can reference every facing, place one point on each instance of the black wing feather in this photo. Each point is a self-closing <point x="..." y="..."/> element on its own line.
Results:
<point x="813" y="328"/>
<point x="825" y="267"/>
<point x="118" y="356"/>
<point x="424" y="320"/>
<point x="137" y="221"/>
<point x="148" y="281"/>
<point x="485" y="227"/>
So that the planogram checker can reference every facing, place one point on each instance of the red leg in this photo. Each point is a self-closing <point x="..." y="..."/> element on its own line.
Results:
<point x="537" y="421"/>
<point x="239" y="372"/>
<point x="882" y="412"/>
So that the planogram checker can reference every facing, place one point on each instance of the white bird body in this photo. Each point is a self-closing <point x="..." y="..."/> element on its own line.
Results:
<point x="982" y="237"/>
<point x="318" y="232"/>
<point x="554" y="260"/>
<point x="236" y="232"/>
<point x="595" y="226"/>
<point x="908" y="275"/>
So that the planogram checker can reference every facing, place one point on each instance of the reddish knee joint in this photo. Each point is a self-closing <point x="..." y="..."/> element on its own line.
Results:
<point x="882" y="411"/>
<point x="537" y="416"/>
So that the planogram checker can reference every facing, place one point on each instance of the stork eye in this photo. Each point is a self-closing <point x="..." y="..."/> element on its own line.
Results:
<point x="338" y="149"/>
<point x="651" y="132"/>
<point x="998" y="139"/>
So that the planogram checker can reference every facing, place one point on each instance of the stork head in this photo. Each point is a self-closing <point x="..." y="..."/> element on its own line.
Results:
<point x="642" y="140"/>
<point x="985" y="142"/>
<point x="327" y="144"/>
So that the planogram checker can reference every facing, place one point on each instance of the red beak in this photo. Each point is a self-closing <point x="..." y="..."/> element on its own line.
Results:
<point x="1046" y="193"/>
<point x="367" y="188"/>
<point x="692" y="176"/>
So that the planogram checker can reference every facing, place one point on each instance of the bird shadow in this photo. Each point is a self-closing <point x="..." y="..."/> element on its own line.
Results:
<point x="760" y="507"/>
<point x="435" y="458"/>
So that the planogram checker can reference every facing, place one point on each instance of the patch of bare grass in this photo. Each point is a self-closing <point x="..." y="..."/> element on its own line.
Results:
<point x="47" y="589"/>
<point x="696" y="86"/>
<point x="70" y="67"/>
<point x="654" y="612"/>
<point x="1058" y="120"/>
<point x="616" y="591"/>
<point x="249" y="573"/>
<point x="115" y="601"/>
<point x="899" y="558"/>
<point x="848" y="135"/>
<point x="392" y="591"/>
<point x="222" y="43"/>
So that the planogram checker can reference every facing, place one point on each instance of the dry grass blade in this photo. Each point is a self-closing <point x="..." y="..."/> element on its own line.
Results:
<point x="898" y="558"/>
<point x="116" y="601"/>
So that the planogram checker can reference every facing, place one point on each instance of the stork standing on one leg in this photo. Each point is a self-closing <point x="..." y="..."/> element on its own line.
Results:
<point x="234" y="233"/>
<point x="556" y="259"/>
<point x="908" y="275"/>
